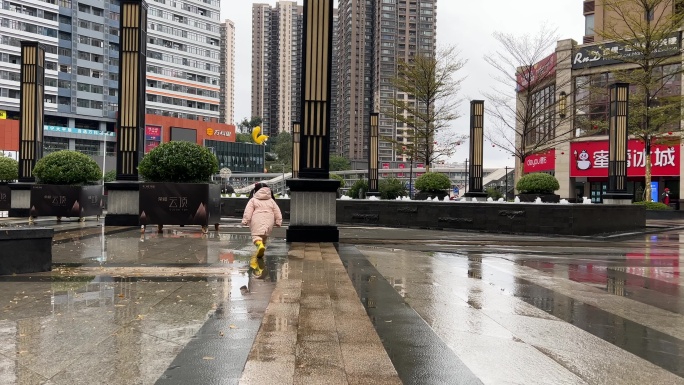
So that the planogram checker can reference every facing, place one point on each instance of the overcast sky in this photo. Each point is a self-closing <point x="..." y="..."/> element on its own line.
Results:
<point x="467" y="24"/>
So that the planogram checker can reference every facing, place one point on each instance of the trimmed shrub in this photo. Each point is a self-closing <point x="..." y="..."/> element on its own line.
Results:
<point x="67" y="167"/>
<point x="9" y="169"/>
<point x="339" y="178"/>
<point x="654" y="205"/>
<point x="179" y="162"/>
<point x="391" y="188"/>
<point x="110" y="176"/>
<point x="537" y="183"/>
<point x="433" y="182"/>
<point x="494" y="193"/>
<point x="356" y="187"/>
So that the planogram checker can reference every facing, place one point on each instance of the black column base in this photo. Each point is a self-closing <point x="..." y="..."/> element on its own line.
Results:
<point x="475" y="194"/>
<point x="19" y="213"/>
<point x="122" y="220"/>
<point x="619" y="198"/>
<point x="372" y="194"/>
<point x="313" y="234"/>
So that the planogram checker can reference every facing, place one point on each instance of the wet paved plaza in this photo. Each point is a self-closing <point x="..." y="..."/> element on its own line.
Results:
<point x="384" y="306"/>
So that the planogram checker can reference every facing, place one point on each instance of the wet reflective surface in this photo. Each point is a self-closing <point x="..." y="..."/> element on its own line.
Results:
<point x="441" y="307"/>
<point x="533" y="310"/>
<point x="131" y="309"/>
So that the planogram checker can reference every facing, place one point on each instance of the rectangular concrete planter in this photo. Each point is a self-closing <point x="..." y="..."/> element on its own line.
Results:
<point x="65" y="201"/>
<point x="25" y="250"/>
<point x="5" y="198"/>
<point x="516" y="218"/>
<point x="166" y="203"/>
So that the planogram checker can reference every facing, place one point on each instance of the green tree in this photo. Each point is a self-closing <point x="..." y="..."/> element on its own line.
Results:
<point x="282" y="146"/>
<point x="246" y="126"/>
<point x="646" y="29"/>
<point x="339" y="163"/>
<point x="430" y="105"/>
<point x="243" y="138"/>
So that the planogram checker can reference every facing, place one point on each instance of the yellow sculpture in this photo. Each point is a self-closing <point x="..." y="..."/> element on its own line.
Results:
<point x="258" y="139"/>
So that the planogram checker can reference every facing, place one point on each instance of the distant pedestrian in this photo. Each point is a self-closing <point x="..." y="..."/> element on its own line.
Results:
<point x="666" y="196"/>
<point x="261" y="214"/>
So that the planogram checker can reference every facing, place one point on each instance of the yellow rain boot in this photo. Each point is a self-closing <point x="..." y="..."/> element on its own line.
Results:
<point x="253" y="263"/>
<point x="260" y="249"/>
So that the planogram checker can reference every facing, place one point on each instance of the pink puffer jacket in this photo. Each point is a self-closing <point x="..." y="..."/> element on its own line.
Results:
<point x="262" y="213"/>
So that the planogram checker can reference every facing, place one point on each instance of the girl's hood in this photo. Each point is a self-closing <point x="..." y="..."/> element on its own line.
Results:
<point x="263" y="193"/>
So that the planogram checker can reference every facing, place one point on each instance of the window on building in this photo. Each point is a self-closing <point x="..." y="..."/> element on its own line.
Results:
<point x="88" y="147"/>
<point x="589" y="25"/>
<point x="543" y="116"/>
<point x="52" y="144"/>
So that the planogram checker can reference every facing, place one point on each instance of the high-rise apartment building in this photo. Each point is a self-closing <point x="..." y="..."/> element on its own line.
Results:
<point x="183" y="59"/>
<point x="276" y="64"/>
<point x="374" y="36"/>
<point x="227" y="96"/>
<point x="81" y="39"/>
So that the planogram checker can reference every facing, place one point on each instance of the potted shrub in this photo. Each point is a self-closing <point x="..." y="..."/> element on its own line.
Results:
<point x="540" y="185"/>
<point x="391" y="188"/>
<point x="9" y="171"/>
<point x="432" y="184"/>
<point x="67" y="186"/>
<point x="177" y="188"/>
<point x="359" y="189"/>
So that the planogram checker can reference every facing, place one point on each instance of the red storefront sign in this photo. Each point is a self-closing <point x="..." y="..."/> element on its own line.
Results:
<point x="153" y="133"/>
<point x="590" y="159"/>
<point x="540" y="162"/>
<point x="540" y="71"/>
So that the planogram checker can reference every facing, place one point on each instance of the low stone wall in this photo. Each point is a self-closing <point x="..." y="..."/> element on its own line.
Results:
<point x="25" y="250"/>
<point x="235" y="207"/>
<point x="668" y="215"/>
<point x="514" y="218"/>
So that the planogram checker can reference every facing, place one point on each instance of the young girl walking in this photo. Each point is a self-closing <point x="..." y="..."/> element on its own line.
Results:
<point x="261" y="214"/>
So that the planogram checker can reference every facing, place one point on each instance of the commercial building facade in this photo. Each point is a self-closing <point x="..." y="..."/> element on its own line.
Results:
<point x="579" y="160"/>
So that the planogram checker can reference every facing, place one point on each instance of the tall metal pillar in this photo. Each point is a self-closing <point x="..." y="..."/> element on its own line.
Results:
<point x="31" y="116"/>
<point x="31" y="108"/>
<point x="313" y="194"/>
<point x="132" y="74"/>
<point x="475" y="180"/>
<point x="373" y="156"/>
<point x="123" y="200"/>
<point x="296" y="132"/>
<point x="618" y="137"/>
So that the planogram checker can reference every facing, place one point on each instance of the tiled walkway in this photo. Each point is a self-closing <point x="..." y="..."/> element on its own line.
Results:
<point x="315" y="330"/>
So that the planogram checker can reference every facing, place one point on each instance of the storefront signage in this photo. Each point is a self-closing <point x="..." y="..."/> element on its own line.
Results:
<point x="540" y="162"/>
<point x="539" y="71"/>
<point x="590" y="159"/>
<point x="72" y="130"/>
<point x="153" y="133"/>
<point x="613" y="53"/>
<point x="212" y="132"/>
